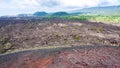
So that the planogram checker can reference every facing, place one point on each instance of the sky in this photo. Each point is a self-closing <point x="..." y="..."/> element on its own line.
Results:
<point x="13" y="7"/>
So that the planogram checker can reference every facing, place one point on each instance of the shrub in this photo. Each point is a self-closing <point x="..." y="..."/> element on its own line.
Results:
<point x="57" y="34"/>
<point x="3" y="40"/>
<point x="101" y="29"/>
<point x="8" y="45"/>
<point x="68" y="42"/>
<point x="76" y="37"/>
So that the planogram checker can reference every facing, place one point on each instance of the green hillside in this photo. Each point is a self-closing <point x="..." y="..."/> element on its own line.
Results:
<point x="108" y="10"/>
<point x="42" y="14"/>
<point x="60" y="14"/>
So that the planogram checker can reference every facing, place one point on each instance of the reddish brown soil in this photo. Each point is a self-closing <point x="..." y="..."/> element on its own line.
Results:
<point x="75" y="57"/>
<point x="28" y="63"/>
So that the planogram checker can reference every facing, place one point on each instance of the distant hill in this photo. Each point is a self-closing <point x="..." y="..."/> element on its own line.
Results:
<point x="44" y="14"/>
<point x="24" y="15"/>
<point x="40" y="14"/>
<point x="60" y="14"/>
<point x="108" y="10"/>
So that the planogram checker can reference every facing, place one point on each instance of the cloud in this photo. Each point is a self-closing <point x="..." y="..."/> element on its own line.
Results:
<point x="89" y="3"/>
<point x="80" y="3"/>
<point x="26" y="4"/>
<point x="51" y="5"/>
<point x="23" y="4"/>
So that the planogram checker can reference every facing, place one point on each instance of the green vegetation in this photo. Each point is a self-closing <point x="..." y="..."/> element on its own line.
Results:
<point x="5" y="44"/>
<point x="105" y="11"/>
<point x="5" y="47"/>
<point x="3" y="40"/>
<point x="60" y="14"/>
<point x="101" y="29"/>
<point x="76" y="38"/>
<point x="94" y="18"/>
<point x="68" y="42"/>
<point x="41" y="14"/>
<point x="57" y="34"/>
<point x="8" y="45"/>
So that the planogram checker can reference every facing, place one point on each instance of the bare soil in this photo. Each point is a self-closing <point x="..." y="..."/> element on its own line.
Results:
<point x="91" y="44"/>
<point x="75" y="57"/>
<point x="24" y="34"/>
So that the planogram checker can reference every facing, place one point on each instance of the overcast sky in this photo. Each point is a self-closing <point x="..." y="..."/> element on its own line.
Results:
<point x="12" y="7"/>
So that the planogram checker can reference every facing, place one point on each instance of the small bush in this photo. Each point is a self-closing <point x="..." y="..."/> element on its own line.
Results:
<point x="68" y="42"/>
<point x="76" y="37"/>
<point x="57" y="34"/>
<point x="8" y="45"/>
<point x="3" y="40"/>
<point x="101" y="29"/>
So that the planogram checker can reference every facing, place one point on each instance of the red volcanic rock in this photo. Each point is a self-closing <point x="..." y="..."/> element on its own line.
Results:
<point x="40" y="63"/>
<point x="100" y="57"/>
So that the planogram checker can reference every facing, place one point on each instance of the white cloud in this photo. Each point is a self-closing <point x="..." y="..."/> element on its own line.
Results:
<point x="52" y="5"/>
<point x="24" y="4"/>
<point x="80" y="3"/>
<point x="112" y="2"/>
<point x="89" y="3"/>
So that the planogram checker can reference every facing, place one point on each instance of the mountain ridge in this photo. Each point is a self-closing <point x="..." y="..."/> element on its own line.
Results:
<point x="107" y="10"/>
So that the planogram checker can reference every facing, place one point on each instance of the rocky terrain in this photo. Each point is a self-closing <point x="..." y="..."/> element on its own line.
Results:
<point x="81" y="44"/>
<point x="75" y="57"/>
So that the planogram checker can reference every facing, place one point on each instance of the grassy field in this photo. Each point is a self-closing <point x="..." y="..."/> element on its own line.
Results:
<point x="94" y="18"/>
